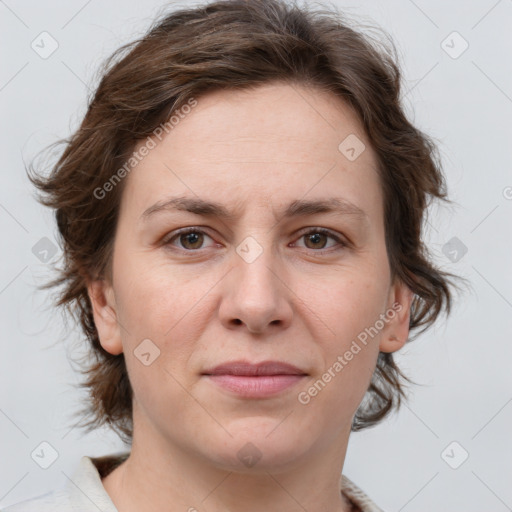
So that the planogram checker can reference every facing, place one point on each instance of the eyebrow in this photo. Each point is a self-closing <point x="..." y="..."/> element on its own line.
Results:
<point x="296" y="208"/>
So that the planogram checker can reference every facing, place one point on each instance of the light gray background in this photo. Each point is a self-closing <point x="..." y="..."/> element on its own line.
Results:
<point x="463" y="364"/>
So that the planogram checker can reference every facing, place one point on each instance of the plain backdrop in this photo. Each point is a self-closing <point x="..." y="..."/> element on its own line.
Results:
<point x="449" y="448"/>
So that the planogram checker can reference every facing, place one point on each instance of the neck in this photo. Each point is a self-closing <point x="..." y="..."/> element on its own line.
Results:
<point x="163" y="477"/>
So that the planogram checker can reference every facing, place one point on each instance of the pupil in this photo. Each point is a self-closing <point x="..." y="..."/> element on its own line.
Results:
<point x="191" y="238"/>
<point x="315" y="237"/>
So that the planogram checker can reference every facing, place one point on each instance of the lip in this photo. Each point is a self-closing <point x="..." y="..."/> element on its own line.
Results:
<point x="245" y="368"/>
<point x="260" y="380"/>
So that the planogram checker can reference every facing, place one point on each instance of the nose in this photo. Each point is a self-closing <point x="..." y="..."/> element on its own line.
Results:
<point x="256" y="296"/>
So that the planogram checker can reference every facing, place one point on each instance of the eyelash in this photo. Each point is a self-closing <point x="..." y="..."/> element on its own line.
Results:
<point x="168" y="240"/>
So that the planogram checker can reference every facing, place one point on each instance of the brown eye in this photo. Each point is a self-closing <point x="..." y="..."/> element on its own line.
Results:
<point x="190" y="239"/>
<point x="317" y="240"/>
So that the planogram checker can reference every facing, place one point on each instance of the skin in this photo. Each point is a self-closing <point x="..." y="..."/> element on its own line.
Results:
<point x="202" y="304"/>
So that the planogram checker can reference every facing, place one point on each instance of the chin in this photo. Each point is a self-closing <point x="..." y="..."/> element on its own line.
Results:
<point x="259" y="445"/>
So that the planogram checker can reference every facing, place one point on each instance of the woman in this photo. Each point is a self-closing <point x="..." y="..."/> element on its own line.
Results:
<point x="241" y="213"/>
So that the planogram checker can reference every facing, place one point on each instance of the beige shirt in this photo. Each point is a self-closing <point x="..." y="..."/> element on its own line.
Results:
<point x="85" y="491"/>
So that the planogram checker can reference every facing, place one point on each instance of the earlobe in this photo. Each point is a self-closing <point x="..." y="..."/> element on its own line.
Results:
<point x="396" y="332"/>
<point x="391" y="343"/>
<point x="105" y="315"/>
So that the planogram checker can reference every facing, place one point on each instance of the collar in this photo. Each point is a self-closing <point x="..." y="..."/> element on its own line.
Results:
<point x="85" y="486"/>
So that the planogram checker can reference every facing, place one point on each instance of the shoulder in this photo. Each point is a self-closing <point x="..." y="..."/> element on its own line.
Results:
<point x="83" y="492"/>
<point x="53" y="501"/>
<point x="357" y="496"/>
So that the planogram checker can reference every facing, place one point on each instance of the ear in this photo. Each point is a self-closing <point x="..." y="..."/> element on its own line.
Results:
<point x="396" y="331"/>
<point x="101" y="295"/>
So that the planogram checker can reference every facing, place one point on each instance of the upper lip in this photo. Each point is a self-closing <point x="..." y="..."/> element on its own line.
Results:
<point x="246" y="368"/>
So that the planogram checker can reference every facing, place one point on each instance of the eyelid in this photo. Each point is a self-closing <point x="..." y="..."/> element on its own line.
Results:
<point x="183" y="231"/>
<point x="341" y="241"/>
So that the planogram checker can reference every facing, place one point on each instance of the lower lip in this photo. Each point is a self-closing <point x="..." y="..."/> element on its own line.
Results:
<point x="255" y="387"/>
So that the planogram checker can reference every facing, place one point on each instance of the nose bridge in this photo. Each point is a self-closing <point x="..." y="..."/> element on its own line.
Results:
<point x="256" y="265"/>
<point x="255" y="294"/>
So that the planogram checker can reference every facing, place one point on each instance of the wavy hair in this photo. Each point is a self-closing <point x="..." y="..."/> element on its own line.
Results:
<point x="236" y="44"/>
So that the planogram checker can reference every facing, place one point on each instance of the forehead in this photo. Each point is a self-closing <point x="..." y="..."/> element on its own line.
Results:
<point x="267" y="144"/>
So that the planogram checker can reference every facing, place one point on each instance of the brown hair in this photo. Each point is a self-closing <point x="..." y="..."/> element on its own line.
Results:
<point x="238" y="44"/>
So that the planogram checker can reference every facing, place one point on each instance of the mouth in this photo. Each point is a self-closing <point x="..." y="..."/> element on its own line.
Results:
<point x="260" y="380"/>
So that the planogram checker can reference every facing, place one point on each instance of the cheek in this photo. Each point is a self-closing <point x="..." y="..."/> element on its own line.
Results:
<point x="343" y="304"/>
<point x="349" y="348"/>
<point x="153" y="296"/>
<point x="156" y="304"/>
<point x="333" y="397"/>
<point x="170" y="308"/>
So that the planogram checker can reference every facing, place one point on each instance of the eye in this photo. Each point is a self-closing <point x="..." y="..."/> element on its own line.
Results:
<point x="315" y="238"/>
<point x="190" y="238"/>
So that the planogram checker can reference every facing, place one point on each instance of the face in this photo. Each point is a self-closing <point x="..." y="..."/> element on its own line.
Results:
<point x="274" y="279"/>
